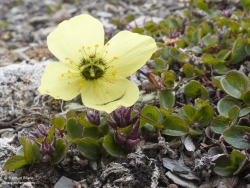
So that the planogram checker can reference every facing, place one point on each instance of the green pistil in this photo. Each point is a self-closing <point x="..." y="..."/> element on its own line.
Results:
<point x="93" y="68"/>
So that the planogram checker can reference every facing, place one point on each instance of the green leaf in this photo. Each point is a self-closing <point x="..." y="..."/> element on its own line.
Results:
<point x="165" y="53"/>
<point x="174" y="126"/>
<point x="247" y="48"/>
<point x="233" y="114"/>
<point x="209" y="59"/>
<point x="23" y="140"/>
<point x="125" y="130"/>
<point x="74" y="129"/>
<point x="238" y="80"/>
<point x="194" y="89"/>
<point x="156" y="54"/>
<point x="14" y="163"/>
<point x="204" y="115"/>
<point x="71" y="114"/>
<point x="210" y="41"/>
<point x="221" y="68"/>
<point x="239" y="159"/>
<point x="225" y="104"/>
<point x="223" y="54"/>
<point x="167" y="112"/>
<point x="245" y="97"/>
<point x="168" y="78"/>
<point x="221" y="164"/>
<point x="20" y="151"/>
<point x="36" y="152"/>
<point x="112" y="147"/>
<point x="235" y="136"/>
<point x="138" y="30"/>
<point x="159" y="64"/>
<point x="166" y="99"/>
<point x="89" y="148"/>
<point x="93" y="132"/>
<point x="130" y="18"/>
<point x="245" y="4"/>
<point x="220" y="124"/>
<point x="58" y="121"/>
<point x="60" y="152"/>
<point x="152" y="116"/>
<point x="188" y="70"/>
<point x="196" y="37"/>
<point x="244" y="111"/>
<point x="176" y="54"/>
<point x="216" y="82"/>
<point x="187" y="113"/>
<point x="85" y="123"/>
<point x="238" y="51"/>
<point x="230" y="89"/>
<point x="28" y="152"/>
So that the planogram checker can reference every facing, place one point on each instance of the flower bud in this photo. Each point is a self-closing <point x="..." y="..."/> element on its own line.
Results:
<point x="122" y="117"/>
<point x="38" y="131"/>
<point x="93" y="116"/>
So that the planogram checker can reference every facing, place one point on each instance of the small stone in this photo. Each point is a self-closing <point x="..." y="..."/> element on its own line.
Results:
<point x="110" y="8"/>
<point x="7" y="134"/>
<point x="104" y="14"/>
<point x="26" y="185"/>
<point x="140" y="22"/>
<point x="39" y="19"/>
<point x="65" y="182"/>
<point x="61" y="15"/>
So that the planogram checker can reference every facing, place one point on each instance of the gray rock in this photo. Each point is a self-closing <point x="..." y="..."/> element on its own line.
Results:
<point x="39" y="19"/>
<point x="8" y="134"/>
<point x="104" y="14"/>
<point x="65" y="182"/>
<point x="180" y="181"/>
<point x="110" y="8"/>
<point x="61" y="15"/>
<point x="140" y="22"/>
<point x="26" y="185"/>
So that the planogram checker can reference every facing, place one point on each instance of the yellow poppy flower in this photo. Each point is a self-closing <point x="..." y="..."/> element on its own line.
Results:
<point x="88" y="67"/>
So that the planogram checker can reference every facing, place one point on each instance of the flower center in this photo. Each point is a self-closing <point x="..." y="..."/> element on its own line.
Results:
<point x="92" y="65"/>
<point x="92" y="68"/>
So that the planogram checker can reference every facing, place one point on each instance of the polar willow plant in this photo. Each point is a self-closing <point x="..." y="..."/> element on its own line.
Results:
<point x="91" y="68"/>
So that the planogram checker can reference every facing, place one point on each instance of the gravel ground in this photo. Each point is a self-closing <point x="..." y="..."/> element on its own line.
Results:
<point x="24" y="26"/>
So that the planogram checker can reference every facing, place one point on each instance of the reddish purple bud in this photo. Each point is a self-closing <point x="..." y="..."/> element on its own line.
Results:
<point x="133" y="119"/>
<point x="130" y="144"/>
<point x="127" y="113"/>
<point x="93" y="116"/>
<point x="226" y="13"/>
<point x="123" y="122"/>
<point x="38" y="131"/>
<point x="116" y="116"/>
<point x="120" y="139"/>
<point x="46" y="158"/>
<point x="134" y="132"/>
<point x="122" y="117"/>
<point x="46" y="149"/>
<point x="174" y="34"/>
<point x="112" y="124"/>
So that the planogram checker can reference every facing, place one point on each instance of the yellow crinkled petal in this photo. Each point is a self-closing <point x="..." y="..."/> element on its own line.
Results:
<point x="71" y="35"/>
<point x="61" y="81"/>
<point x="109" y="96"/>
<point x="133" y="51"/>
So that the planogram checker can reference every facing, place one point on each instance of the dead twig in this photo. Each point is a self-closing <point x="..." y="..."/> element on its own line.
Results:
<point x="8" y="124"/>
<point x="26" y="125"/>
